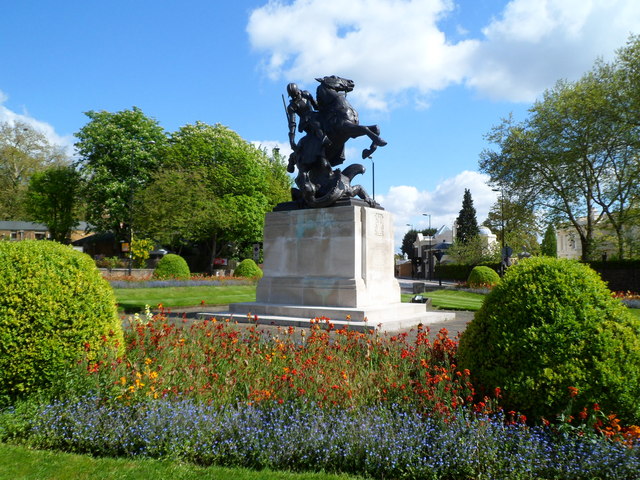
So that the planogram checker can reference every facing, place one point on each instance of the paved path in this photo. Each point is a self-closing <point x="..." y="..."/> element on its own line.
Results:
<point x="188" y="315"/>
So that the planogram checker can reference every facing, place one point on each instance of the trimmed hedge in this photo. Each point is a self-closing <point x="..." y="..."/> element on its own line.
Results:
<point x="247" y="268"/>
<point x="54" y="307"/>
<point x="551" y="324"/>
<point x="460" y="273"/>
<point x="482" y="276"/>
<point x="172" y="267"/>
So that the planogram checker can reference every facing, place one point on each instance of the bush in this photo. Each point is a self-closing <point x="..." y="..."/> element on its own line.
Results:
<point x="248" y="269"/>
<point x="549" y="325"/>
<point x="482" y="276"/>
<point x="54" y="305"/>
<point x="172" y="266"/>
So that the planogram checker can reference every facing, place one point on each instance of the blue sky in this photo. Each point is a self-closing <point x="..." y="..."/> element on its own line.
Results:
<point x="435" y="75"/>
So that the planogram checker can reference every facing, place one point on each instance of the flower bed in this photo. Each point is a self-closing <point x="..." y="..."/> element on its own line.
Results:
<point x="387" y="406"/>
<point x="378" y="441"/>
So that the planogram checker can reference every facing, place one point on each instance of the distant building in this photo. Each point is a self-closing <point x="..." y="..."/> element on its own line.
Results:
<point x="425" y="248"/>
<point x="569" y="244"/>
<point x="18" y="230"/>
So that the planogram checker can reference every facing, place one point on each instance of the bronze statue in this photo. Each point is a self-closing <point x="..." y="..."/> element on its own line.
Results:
<point x="328" y="122"/>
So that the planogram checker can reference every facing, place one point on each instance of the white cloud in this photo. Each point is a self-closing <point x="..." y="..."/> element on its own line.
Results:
<point x="392" y="47"/>
<point x="385" y="46"/>
<point x="10" y="117"/>
<point x="537" y="42"/>
<point x="408" y="204"/>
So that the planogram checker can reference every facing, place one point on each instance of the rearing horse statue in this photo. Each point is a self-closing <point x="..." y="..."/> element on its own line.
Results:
<point x="340" y="119"/>
<point x="328" y="122"/>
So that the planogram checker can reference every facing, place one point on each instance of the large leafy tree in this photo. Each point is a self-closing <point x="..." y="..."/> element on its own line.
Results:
<point x="516" y="221"/>
<point x="23" y="152"/>
<point x="229" y="184"/>
<point x="118" y="154"/>
<point x="467" y="222"/>
<point x="52" y="199"/>
<point x="576" y="155"/>
<point x="176" y="208"/>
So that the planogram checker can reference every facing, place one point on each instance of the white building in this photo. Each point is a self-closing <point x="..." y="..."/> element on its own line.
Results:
<point x="425" y="247"/>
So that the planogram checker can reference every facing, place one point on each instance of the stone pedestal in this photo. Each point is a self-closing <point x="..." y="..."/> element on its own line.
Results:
<point x="332" y="262"/>
<point x="331" y="257"/>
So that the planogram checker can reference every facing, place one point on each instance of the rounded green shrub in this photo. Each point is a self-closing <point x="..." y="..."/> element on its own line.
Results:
<point x="551" y="324"/>
<point x="172" y="266"/>
<point x="247" y="268"/>
<point x="54" y="307"/>
<point x="482" y="276"/>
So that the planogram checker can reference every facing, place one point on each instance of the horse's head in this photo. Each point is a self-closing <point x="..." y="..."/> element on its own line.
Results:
<point x="336" y="83"/>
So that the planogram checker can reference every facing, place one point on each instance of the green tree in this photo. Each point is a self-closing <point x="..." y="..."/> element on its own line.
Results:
<point x="119" y="153"/>
<point x="52" y="199"/>
<point x="467" y="223"/>
<point x="576" y="155"/>
<point x="474" y="251"/>
<point x="177" y="209"/>
<point x="549" y="245"/>
<point x="226" y="187"/>
<point x="23" y="152"/>
<point x="519" y="222"/>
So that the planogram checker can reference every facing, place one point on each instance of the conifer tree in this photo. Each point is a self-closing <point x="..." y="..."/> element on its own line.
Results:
<point x="467" y="223"/>
<point x="549" y="245"/>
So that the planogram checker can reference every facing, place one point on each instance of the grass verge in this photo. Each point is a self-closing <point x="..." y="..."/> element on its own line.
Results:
<point x="452" y="299"/>
<point x="135" y="299"/>
<point x="20" y="463"/>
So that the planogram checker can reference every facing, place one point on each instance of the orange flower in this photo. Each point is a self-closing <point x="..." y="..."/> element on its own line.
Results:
<point x="573" y="392"/>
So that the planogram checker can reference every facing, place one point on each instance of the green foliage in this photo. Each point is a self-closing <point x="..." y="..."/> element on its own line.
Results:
<point x="549" y="325"/>
<point x="577" y="151"/>
<point x="141" y="249"/>
<point x="172" y="266"/>
<point x="215" y="190"/>
<point x="467" y="223"/>
<point x="518" y="220"/>
<point x="119" y="152"/>
<point x="54" y="306"/>
<point x="24" y="151"/>
<point x="177" y="209"/>
<point x="474" y="251"/>
<point x="52" y="199"/>
<point x="549" y="245"/>
<point x="482" y="276"/>
<point x="248" y="268"/>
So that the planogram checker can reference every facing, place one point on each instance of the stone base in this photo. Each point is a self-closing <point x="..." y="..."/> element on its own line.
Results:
<point x="339" y="256"/>
<point x="335" y="263"/>
<point x="392" y="317"/>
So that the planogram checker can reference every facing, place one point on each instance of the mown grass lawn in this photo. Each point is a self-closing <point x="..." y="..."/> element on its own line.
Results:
<point x="452" y="299"/>
<point x="20" y="463"/>
<point x="135" y="299"/>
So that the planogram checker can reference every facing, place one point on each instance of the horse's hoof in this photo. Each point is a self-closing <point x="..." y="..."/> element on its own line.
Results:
<point x="380" y="142"/>
<point x="366" y="153"/>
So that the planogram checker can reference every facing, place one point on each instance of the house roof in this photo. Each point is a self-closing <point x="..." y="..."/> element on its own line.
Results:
<point x="33" y="226"/>
<point x="18" y="225"/>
